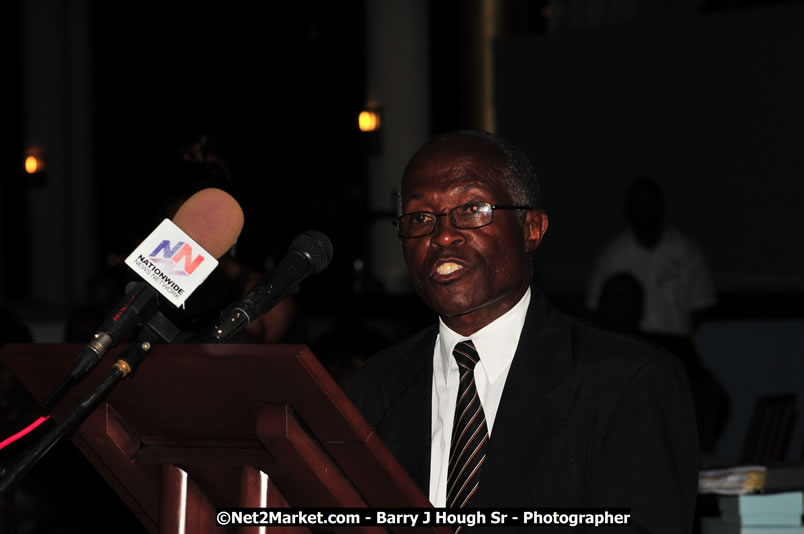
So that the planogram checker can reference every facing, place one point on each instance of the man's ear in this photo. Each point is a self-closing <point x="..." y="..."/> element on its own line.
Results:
<point x="535" y="227"/>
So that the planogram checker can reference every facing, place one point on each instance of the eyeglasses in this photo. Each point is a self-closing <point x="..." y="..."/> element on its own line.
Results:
<point x="467" y="216"/>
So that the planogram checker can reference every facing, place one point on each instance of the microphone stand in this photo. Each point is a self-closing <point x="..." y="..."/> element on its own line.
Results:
<point x="157" y="329"/>
<point x="141" y="301"/>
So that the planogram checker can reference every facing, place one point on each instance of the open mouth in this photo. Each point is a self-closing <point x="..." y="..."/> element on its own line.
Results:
<point x="448" y="270"/>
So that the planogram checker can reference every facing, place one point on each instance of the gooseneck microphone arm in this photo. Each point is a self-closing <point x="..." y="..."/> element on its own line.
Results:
<point x="136" y="307"/>
<point x="159" y="329"/>
<point x="9" y="477"/>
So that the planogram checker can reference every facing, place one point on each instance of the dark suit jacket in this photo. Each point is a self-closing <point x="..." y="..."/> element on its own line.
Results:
<point x="588" y="418"/>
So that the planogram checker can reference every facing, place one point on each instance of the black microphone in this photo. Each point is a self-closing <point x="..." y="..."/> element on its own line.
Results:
<point x="309" y="253"/>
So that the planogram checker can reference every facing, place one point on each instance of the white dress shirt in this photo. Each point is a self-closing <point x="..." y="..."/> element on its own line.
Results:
<point x="496" y="344"/>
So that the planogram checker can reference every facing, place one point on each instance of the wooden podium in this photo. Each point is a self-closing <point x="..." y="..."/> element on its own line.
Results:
<point x="205" y="426"/>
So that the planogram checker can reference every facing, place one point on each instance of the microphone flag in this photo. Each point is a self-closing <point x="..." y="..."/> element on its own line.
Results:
<point x="172" y="262"/>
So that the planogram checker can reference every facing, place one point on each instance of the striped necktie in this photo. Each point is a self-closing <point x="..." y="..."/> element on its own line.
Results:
<point x="470" y="434"/>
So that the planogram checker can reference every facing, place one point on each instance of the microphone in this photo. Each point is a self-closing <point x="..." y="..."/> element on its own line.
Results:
<point x="205" y="226"/>
<point x="309" y="253"/>
<point x="213" y="219"/>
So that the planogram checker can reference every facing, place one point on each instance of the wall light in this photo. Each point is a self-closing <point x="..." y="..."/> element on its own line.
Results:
<point x="369" y="121"/>
<point x="34" y="163"/>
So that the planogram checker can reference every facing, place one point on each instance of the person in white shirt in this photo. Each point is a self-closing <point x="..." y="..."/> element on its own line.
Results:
<point x="672" y="270"/>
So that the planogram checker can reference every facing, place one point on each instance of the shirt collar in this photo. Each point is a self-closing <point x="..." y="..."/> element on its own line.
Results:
<point x="496" y="342"/>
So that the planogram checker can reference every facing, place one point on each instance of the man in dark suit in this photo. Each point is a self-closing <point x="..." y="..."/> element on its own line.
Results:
<point x="507" y="402"/>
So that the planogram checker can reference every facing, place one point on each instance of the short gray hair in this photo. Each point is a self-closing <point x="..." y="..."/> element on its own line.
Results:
<point x="518" y="172"/>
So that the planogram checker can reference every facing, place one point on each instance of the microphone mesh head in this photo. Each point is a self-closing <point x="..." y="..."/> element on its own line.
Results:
<point x="317" y="246"/>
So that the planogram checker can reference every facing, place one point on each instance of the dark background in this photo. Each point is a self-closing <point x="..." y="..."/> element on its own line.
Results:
<point x="279" y="92"/>
<point x="701" y="95"/>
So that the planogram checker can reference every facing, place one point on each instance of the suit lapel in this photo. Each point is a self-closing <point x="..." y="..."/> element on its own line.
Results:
<point x="406" y="426"/>
<point x="536" y="396"/>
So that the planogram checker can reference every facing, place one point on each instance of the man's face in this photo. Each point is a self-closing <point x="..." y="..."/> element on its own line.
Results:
<point x="468" y="276"/>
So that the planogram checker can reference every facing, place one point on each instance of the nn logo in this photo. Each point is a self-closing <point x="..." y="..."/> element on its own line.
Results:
<point x="180" y="251"/>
